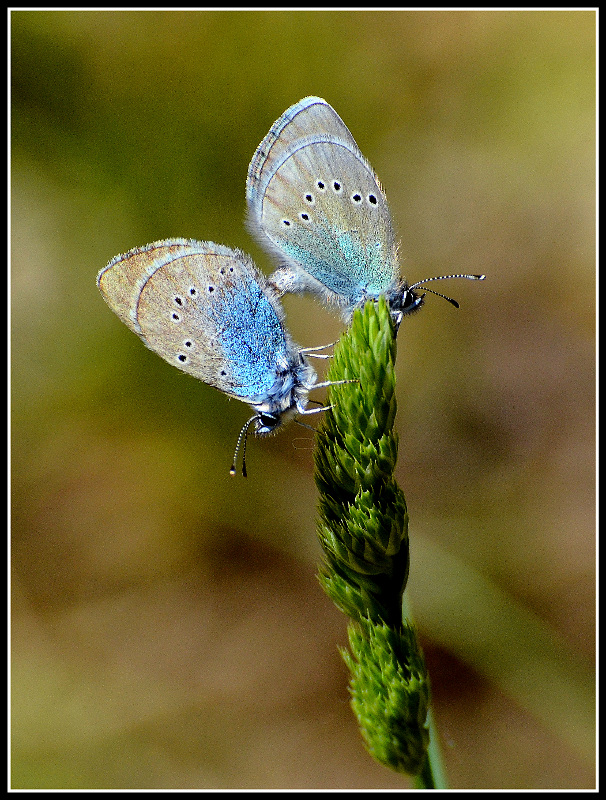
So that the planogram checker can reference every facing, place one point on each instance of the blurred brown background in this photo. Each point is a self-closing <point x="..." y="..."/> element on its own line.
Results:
<point x="168" y="630"/>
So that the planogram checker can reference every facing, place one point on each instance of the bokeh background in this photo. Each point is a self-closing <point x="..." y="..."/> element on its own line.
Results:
<point x="168" y="630"/>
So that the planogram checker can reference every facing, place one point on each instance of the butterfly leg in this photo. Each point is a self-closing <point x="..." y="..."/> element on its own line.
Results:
<point x="311" y="351"/>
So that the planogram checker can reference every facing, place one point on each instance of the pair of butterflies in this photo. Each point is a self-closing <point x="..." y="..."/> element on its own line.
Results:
<point x="317" y="206"/>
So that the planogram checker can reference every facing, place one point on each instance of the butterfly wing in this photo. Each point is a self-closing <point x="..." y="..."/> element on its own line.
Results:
<point x="299" y="121"/>
<point x="205" y="309"/>
<point x="317" y="205"/>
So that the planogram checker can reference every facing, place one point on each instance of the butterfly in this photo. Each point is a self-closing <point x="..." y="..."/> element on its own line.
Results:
<point x="207" y="310"/>
<point x="316" y="205"/>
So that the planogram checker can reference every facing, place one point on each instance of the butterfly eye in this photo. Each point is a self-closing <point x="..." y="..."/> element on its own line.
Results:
<point x="409" y="299"/>
<point x="266" y="423"/>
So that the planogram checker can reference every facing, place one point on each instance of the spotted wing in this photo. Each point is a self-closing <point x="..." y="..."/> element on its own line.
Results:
<point x="317" y="205"/>
<point x="205" y="309"/>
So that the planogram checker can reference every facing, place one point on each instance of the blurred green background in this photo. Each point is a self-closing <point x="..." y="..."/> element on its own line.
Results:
<point x="168" y="630"/>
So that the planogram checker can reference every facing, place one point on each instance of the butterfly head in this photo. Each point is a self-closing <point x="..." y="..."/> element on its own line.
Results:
<point x="404" y="300"/>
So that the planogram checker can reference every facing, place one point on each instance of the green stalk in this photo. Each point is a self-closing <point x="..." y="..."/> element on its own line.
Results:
<point x="363" y="529"/>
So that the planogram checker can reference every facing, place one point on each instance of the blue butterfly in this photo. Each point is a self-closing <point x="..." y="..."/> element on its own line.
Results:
<point x="208" y="311"/>
<point x="316" y="205"/>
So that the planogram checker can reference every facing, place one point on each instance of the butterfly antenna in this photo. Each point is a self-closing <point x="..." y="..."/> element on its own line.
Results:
<point x="242" y="438"/>
<point x="443" y="278"/>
